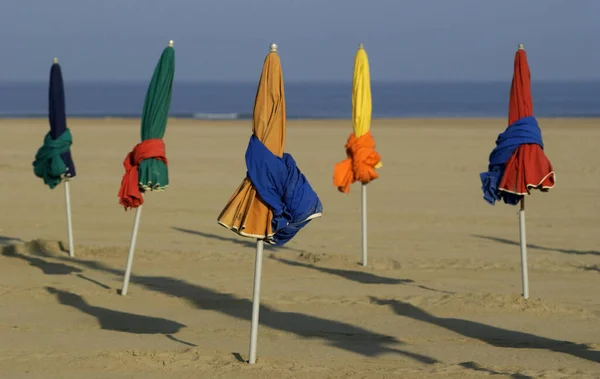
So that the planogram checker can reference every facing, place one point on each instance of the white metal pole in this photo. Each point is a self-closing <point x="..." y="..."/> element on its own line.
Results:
<point x="364" y="224"/>
<point x="136" y="226"/>
<point x="256" y="301"/>
<point x="69" y="221"/>
<point x="523" y="241"/>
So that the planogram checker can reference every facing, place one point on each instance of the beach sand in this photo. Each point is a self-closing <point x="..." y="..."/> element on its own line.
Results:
<point x="440" y="297"/>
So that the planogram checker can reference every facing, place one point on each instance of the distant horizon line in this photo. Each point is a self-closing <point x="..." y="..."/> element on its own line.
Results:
<point x="295" y="81"/>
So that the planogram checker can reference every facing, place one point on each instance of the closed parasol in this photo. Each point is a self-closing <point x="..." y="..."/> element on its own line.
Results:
<point x="518" y="163"/>
<point x="53" y="161"/>
<point x="146" y="165"/>
<point x="362" y="159"/>
<point x="275" y="199"/>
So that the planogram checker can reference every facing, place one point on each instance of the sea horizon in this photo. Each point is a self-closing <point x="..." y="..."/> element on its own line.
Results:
<point x="305" y="99"/>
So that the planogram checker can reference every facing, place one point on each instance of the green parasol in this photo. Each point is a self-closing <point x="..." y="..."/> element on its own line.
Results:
<point x="146" y="166"/>
<point x="154" y="173"/>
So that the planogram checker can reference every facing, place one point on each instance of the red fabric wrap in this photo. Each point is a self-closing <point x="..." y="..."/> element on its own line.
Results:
<point x="130" y="195"/>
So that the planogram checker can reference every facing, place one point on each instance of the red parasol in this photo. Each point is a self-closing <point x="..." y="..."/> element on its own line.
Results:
<point x="528" y="167"/>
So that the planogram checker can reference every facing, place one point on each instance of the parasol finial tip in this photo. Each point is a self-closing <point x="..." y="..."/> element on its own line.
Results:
<point x="361" y="46"/>
<point x="273" y="48"/>
<point x="521" y="47"/>
<point x="170" y="43"/>
<point x="55" y="60"/>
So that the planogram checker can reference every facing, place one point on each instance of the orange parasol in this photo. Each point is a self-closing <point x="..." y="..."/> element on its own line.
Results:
<point x="245" y="213"/>
<point x="275" y="200"/>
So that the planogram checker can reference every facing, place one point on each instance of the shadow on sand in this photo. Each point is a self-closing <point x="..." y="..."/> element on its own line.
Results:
<point x="357" y="276"/>
<point x="337" y="334"/>
<point x="246" y="242"/>
<point x="591" y="268"/>
<point x="532" y="246"/>
<point x="334" y="333"/>
<point x="4" y="240"/>
<point x="486" y="371"/>
<point x="492" y="335"/>
<point x="117" y="320"/>
<point x="353" y="275"/>
<point x="49" y="268"/>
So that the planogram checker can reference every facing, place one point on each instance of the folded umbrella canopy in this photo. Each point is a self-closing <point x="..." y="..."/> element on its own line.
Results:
<point x="275" y="200"/>
<point x="146" y="165"/>
<point x="518" y="163"/>
<point x="53" y="162"/>
<point x="362" y="159"/>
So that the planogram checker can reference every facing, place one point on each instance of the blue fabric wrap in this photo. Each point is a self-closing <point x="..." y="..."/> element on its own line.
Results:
<point x="524" y="131"/>
<point x="282" y="186"/>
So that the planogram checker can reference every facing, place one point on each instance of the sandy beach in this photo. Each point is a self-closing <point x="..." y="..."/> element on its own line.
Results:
<point x="441" y="297"/>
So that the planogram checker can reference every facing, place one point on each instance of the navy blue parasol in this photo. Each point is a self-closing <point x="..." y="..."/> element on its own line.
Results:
<point x="53" y="161"/>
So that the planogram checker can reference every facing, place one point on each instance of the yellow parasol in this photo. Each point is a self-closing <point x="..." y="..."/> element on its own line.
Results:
<point x="362" y="104"/>
<point x="362" y="159"/>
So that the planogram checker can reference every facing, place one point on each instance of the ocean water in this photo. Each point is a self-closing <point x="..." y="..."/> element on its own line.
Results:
<point x="314" y="100"/>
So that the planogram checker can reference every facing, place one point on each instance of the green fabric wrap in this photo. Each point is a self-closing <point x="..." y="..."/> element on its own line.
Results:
<point x="48" y="163"/>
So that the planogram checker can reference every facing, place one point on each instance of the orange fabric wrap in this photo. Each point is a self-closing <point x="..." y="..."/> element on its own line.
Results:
<point x="130" y="195"/>
<point x="360" y="164"/>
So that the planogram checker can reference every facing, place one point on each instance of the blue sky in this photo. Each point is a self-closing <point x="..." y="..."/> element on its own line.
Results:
<point x="228" y="39"/>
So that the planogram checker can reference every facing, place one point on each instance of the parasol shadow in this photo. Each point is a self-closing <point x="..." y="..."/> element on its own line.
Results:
<point x="116" y="320"/>
<point x="5" y="240"/>
<point x="94" y="281"/>
<point x="538" y="247"/>
<point x="492" y="335"/>
<point x="335" y="333"/>
<point x="591" y="268"/>
<point x="486" y="371"/>
<point x="353" y="275"/>
<point x="246" y="242"/>
<point x="48" y="268"/>
<point x="357" y="276"/>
